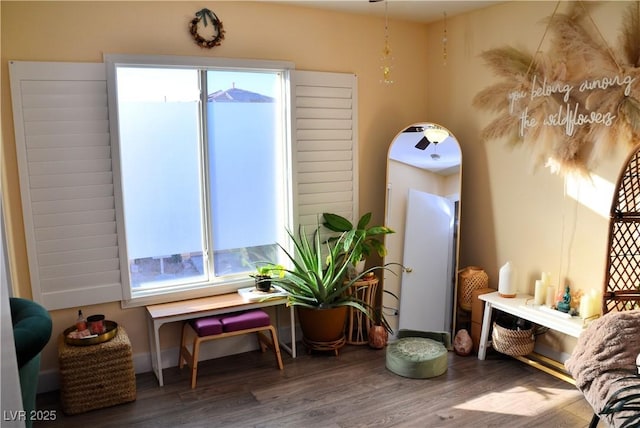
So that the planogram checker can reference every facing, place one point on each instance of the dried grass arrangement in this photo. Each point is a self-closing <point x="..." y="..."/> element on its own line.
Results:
<point x="584" y="79"/>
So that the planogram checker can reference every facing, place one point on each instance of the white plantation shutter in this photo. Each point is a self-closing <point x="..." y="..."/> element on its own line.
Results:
<point x="324" y="122"/>
<point x="66" y="181"/>
<point x="64" y="160"/>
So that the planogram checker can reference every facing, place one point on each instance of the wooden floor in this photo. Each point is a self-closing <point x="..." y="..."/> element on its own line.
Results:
<point x="353" y="389"/>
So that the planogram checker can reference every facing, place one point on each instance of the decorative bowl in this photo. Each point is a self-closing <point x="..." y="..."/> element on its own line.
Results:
<point x="111" y="329"/>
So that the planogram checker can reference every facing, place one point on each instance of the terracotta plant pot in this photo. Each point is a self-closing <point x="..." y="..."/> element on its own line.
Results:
<point x="322" y="325"/>
<point x="378" y="337"/>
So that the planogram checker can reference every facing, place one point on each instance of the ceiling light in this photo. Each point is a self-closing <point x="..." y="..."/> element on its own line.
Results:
<point x="435" y="134"/>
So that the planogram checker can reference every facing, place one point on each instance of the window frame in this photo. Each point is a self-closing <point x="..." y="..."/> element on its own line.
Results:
<point x="61" y="131"/>
<point x="212" y="286"/>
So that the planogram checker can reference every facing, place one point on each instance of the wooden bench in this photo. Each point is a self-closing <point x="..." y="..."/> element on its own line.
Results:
<point x="164" y="313"/>
<point x="223" y="326"/>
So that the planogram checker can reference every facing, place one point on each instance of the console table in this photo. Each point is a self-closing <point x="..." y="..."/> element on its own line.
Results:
<point x="163" y="313"/>
<point x="522" y="306"/>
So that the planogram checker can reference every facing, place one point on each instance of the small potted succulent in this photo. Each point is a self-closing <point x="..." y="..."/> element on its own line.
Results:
<point x="264" y="274"/>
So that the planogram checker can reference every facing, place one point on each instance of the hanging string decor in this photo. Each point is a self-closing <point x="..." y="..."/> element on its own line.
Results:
<point x="387" y="59"/>
<point x="569" y="105"/>
<point x="204" y="16"/>
<point x="444" y="40"/>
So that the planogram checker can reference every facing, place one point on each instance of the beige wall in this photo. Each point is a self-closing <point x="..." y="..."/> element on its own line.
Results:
<point x="509" y="211"/>
<point x="313" y="40"/>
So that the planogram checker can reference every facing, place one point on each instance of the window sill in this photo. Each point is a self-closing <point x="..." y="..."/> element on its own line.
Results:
<point x="193" y="293"/>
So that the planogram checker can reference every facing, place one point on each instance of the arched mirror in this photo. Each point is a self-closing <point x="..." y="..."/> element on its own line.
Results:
<point x="424" y="176"/>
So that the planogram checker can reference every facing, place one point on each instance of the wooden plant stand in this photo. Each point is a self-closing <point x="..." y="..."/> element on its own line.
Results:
<point x="358" y="324"/>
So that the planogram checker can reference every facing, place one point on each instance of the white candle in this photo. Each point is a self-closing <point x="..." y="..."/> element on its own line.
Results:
<point x="540" y="292"/>
<point x="546" y="279"/>
<point x="590" y="304"/>
<point x="585" y="306"/>
<point x="551" y="292"/>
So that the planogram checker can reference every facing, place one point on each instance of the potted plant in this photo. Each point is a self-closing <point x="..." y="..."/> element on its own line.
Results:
<point x="362" y="238"/>
<point x="317" y="284"/>
<point x="264" y="274"/>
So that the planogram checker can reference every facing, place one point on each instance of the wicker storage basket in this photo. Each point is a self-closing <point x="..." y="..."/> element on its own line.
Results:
<point x="515" y="343"/>
<point x="469" y="279"/>
<point x="96" y="376"/>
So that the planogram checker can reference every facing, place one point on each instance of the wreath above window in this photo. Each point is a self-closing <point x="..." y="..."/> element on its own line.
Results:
<point x="218" y="30"/>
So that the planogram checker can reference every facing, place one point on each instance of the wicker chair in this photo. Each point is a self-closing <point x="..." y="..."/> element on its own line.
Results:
<point x="622" y="280"/>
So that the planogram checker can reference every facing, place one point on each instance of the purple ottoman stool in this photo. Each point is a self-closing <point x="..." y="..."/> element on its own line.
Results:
<point x="221" y="326"/>
<point x="206" y="326"/>
<point x="245" y="320"/>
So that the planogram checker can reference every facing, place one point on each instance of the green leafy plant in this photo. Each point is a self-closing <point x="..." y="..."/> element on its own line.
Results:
<point x="264" y="274"/>
<point x="360" y="239"/>
<point x="268" y="270"/>
<point x="316" y="281"/>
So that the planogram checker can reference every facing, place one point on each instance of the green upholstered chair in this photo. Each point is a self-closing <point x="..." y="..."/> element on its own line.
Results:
<point x="31" y="332"/>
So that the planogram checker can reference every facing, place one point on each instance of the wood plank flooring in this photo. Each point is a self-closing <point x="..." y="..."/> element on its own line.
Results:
<point x="353" y="389"/>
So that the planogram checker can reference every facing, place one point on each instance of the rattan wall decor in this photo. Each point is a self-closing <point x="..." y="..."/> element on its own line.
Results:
<point x="622" y="282"/>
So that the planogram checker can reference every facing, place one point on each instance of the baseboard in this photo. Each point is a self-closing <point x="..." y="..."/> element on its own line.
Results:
<point x="551" y="353"/>
<point x="49" y="380"/>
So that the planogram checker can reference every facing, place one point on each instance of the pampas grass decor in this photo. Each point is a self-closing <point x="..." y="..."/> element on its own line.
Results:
<point x="578" y="53"/>
<point x="630" y="36"/>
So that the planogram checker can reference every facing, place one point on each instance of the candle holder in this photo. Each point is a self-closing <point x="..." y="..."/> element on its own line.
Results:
<point x="96" y="324"/>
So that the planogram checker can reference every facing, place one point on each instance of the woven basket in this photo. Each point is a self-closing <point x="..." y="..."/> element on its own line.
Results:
<point x="469" y="279"/>
<point x="515" y="343"/>
<point x="96" y="376"/>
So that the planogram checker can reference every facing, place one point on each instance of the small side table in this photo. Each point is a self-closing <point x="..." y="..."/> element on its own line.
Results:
<point x="96" y="376"/>
<point x="358" y="323"/>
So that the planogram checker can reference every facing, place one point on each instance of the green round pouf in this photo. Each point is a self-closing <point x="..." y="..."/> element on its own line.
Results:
<point x="417" y="357"/>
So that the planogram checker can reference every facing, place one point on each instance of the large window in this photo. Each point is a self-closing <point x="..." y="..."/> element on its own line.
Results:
<point x="203" y="173"/>
<point x="81" y="184"/>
